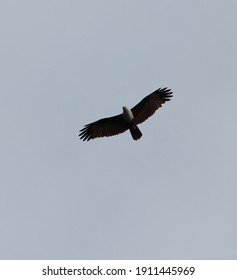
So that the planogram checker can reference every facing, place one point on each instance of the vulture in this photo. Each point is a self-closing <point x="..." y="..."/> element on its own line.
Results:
<point x="128" y="119"/>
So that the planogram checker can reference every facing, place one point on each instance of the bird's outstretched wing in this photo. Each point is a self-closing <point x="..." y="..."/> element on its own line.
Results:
<point x="148" y="105"/>
<point x="104" y="127"/>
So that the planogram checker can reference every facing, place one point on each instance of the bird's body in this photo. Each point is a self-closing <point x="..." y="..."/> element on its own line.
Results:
<point x="129" y="119"/>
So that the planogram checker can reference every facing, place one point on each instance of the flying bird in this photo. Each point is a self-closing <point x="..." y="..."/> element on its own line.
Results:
<point x="129" y="119"/>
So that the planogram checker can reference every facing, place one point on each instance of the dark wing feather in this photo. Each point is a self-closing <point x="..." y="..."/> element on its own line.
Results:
<point x="104" y="127"/>
<point x="147" y="107"/>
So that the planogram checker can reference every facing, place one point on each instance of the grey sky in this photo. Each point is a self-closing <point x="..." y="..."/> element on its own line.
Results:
<point x="170" y="195"/>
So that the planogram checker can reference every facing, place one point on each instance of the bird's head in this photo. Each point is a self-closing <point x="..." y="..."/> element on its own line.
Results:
<point x="125" y="109"/>
<point x="127" y="114"/>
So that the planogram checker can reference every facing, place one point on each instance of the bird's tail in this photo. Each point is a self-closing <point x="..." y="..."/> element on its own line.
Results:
<point x="135" y="132"/>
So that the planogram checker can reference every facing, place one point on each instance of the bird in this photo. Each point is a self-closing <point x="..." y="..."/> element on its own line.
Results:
<point x="128" y="119"/>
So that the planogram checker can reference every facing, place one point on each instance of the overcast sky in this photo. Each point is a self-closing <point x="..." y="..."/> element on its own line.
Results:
<point x="170" y="195"/>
